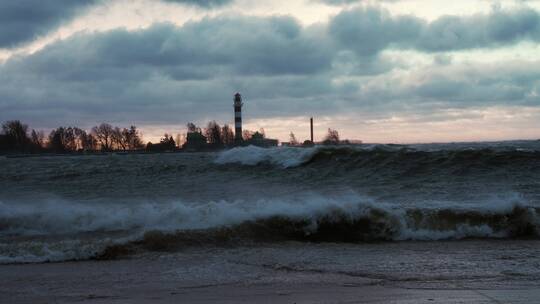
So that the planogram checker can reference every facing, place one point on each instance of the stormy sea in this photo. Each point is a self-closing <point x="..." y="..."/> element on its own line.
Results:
<point x="424" y="215"/>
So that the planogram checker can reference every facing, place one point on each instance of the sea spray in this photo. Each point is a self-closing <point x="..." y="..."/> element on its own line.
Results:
<point x="71" y="230"/>
<point x="69" y="208"/>
<point x="285" y="157"/>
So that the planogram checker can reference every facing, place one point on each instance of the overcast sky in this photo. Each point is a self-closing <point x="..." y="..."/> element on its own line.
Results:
<point x="378" y="71"/>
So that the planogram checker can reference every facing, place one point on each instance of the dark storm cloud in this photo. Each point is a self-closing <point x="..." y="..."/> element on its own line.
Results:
<point x="273" y="46"/>
<point x="22" y="21"/>
<point x="167" y="74"/>
<point x="369" y="30"/>
<point x="188" y="69"/>
<point x="202" y="3"/>
<point x="480" y="31"/>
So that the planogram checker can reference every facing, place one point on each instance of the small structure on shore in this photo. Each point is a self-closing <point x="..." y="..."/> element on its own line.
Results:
<point x="195" y="141"/>
<point x="258" y="139"/>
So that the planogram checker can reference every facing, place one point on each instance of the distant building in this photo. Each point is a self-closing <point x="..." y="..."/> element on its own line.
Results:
<point x="258" y="139"/>
<point x="308" y="143"/>
<point x="195" y="141"/>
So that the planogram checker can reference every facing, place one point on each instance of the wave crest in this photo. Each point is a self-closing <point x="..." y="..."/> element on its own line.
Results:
<point x="385" y="157"/>
<point x="99" y="230"/>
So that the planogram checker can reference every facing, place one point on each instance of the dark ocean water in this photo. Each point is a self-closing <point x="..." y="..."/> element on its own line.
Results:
<point x="78" y="207"/>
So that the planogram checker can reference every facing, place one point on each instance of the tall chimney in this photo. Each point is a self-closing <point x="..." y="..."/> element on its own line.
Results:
<point x="311" y="128"/>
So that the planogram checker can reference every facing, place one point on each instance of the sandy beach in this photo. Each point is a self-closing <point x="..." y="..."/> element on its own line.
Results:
<point x="156" y="290"/>
<point x="290" y="274"/>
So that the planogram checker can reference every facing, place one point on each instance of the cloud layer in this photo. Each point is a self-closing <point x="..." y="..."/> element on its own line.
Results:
<point x="202" y="3"/>
<point x="168" y="74"/>
<point x="370" y="30"/>
<point x="22" y="21"/>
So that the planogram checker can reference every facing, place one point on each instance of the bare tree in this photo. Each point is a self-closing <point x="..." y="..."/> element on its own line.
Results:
<point x="227" y="135"/>
<point x="56" y="143"/>
<point x="247" y="134"/>
<point x="167" y="143"/>
<point x="213" y="134"/>
<point x="83" y="140"/>
<point x="332" y="138"/>
<point x="117" y="139"/>
<point x="59" y="140"/>
<point x="132" y="138"/>
<point x="88" y="142"/>
<point x="16" y="134"/>
<point x="293" y="141"/>
<point x="104" y="135"/>
<point x="70" y="139"/>
<point x="192" y="128"/>
<point x="37" y="138"/>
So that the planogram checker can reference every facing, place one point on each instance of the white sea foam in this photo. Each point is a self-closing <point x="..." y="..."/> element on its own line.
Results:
<point x="462" y="231"/>
<point x="64" y="217"/>
<point x="76" y="230"/>
<point x="285" y="157"/>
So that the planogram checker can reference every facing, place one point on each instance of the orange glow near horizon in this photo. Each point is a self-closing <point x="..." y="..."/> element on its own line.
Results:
<point x="458" y="125"/>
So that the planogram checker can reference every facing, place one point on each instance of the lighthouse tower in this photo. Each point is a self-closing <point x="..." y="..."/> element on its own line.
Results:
<point x="238" y="118"/>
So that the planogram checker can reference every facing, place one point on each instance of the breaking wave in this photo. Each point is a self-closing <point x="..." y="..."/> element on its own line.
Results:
<point x="285" y="157"/>
<point x="57" y="231"/>
<point x="377" y="155"/>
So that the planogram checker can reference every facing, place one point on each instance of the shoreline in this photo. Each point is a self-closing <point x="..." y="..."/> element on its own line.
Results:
<point x="126" y="281"/>
<point x="290" y="273"/>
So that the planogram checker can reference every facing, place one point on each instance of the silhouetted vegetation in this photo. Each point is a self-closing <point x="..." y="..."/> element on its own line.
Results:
<point x="227" y="135"/>
<point x="14" y="138"/>
<point x="213" y="135"/>
<point x="332" y="137"/>
<point x="17" y="138"/>
<point x="104" y="135"/>
<point x="247" y="134"/>
<point x="292" y="140"/>
<point x="127" y="139"/>
<point x="195" y="140"/>
<point x="166" y="144"/>
<point x="71" y="139"/>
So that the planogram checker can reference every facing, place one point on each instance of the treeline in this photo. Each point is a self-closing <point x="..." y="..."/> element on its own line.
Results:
<point x="16" y="138"/>
<point x="213" y="137"/>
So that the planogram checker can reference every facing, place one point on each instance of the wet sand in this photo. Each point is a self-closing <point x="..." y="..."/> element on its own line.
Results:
<point x="166" y="292"/>
<point x="292" y="273"/>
